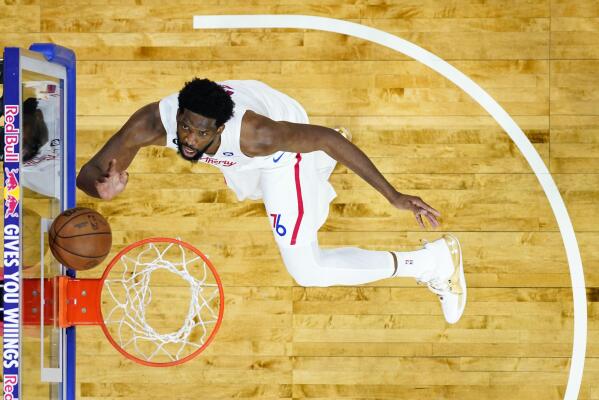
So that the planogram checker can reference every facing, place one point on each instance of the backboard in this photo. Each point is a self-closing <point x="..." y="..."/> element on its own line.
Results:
<point x="39" y="183"/>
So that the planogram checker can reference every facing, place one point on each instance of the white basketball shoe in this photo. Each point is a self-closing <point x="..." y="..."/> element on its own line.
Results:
<point x="344" y="132"/>
<point x="446" y="278"/>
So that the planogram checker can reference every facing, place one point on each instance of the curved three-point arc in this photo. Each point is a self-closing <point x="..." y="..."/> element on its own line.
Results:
<point x="489" y="104"/>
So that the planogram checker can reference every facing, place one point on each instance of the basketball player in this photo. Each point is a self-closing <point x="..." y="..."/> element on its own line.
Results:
<point x="40" y="167"/>
<point x="40" y="143"/>
<point x="263" y="143"/>
<point x="41" y="138"/>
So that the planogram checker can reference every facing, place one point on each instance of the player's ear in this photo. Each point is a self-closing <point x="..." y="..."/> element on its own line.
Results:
<point x="220" y="129"/>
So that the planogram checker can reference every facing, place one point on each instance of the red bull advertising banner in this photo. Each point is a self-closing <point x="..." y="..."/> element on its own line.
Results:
<point x="12" y="236"/>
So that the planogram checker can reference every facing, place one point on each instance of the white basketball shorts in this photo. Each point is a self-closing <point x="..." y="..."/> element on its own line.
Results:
<point x="297" y="197"/>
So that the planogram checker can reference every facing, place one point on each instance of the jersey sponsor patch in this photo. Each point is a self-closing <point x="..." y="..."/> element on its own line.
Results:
<point x="217" y="162"/>
<point x="47" y="154"/>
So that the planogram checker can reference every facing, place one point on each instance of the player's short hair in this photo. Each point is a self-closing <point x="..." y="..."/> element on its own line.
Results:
<point x="39" y="130"/>
<point x="30" y="105"/>
<point x="207" y="98"/>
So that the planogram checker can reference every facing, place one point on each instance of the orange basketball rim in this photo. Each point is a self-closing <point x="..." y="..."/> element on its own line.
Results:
<point x="133" y="302"/>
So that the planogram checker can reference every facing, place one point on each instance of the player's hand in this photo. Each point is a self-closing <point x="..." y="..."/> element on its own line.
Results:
<point x="112" y="182"/>
<point x="418" y="207"/>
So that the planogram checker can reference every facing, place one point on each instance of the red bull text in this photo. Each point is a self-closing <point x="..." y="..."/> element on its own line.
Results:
<point x="12" y="254"/>
<point x="10" y="383"/>
<point x="11" y="133"/>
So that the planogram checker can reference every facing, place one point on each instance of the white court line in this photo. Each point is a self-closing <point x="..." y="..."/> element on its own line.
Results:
<point x="489" y="104"/>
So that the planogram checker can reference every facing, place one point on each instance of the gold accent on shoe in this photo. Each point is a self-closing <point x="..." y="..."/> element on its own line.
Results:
<point x="450" y="284"/>
<point x="454" y="281"/>
<point x="344" y="132"/>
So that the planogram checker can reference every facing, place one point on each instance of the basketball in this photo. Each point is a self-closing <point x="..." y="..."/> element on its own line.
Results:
<point x="80" y="238"/>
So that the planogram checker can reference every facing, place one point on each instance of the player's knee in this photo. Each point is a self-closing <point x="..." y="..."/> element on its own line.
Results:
<point x="302" y="265"/>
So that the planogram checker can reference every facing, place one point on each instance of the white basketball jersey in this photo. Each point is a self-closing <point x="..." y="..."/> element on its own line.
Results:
<point x="241" y="172"/>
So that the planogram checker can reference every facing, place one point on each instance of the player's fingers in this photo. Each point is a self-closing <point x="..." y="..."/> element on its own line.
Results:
<point x="419" y="220"/>
<point x="422" y="204"/>
<point x="112" y="166"/>
<point x="433" y="221"/>
<point x="124" y="177"/>
<point x="100" y="189"/>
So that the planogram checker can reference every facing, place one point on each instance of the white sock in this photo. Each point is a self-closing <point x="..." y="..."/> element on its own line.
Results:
<point x="413" y="263"/>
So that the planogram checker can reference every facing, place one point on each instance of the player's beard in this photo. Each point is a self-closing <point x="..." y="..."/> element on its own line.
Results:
<point x="199" y="153"/>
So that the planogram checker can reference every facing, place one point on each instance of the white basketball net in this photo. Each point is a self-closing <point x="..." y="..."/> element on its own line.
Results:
<point x="131" y="293"/>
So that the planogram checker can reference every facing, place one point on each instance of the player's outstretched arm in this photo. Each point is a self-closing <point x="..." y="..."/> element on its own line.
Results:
<point x="105" y="175"/>
<point x="264" y="136"/>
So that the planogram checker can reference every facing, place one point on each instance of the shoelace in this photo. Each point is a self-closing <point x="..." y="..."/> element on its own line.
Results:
<point x="435" y="285"/>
